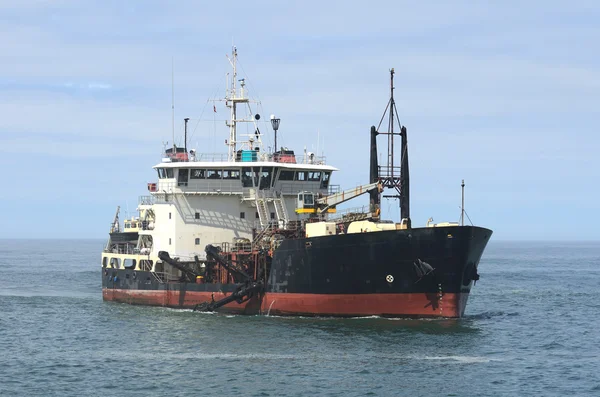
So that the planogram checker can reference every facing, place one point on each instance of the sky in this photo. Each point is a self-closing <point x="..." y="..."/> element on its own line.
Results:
<point x="502" y="95"/>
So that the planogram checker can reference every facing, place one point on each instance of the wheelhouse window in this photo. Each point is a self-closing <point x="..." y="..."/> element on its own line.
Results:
<point x="214" y="174"/>
<point x="265" y="177"/>
<point x="286" y="175"/>
<point x="301" y="175"/>
<point x="314" y="176"/>
<point x="170" y="173"/>
<point x="197" y="174"/>
<point x="325" y="181"/>
<point x="182" y="176"/>
<point x="161" y="173"/>
<point x="231" y="174"/>
<point x="247" y="175"/>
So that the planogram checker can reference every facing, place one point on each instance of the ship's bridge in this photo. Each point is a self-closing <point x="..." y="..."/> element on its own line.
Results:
<point x="201" y="176"/>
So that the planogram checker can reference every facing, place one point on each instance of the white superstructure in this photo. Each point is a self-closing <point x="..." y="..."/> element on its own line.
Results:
<point x="202" y="199"/>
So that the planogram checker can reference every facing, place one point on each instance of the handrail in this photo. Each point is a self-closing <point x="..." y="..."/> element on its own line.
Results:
<point x="216" y="186"/>
<point x="295" y="188"/>
<point x="357" y="211"/>
<point x="300" y="158"/>
<point x="161" y="280"/>
<point x="209" y="157"/>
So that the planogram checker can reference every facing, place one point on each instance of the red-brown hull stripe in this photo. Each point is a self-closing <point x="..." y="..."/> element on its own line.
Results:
<point x="410" y="304"/>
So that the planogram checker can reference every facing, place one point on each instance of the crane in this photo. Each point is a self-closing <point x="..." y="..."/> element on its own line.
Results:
<point x="308" y="204"/>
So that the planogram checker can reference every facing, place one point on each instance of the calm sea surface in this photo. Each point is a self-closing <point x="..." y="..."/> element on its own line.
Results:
<point x="532" y="329"/>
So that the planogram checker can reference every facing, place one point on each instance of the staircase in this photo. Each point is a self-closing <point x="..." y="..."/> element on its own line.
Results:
<point x="262" y="209"/>
<point x="266" y="232"/>
<point x="280" y="211"/>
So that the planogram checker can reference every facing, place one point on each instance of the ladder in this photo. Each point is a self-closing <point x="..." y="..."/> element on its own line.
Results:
<point x="280" y="211"/>
<point x="266" y="232"/>
<point x="262" y="209"/>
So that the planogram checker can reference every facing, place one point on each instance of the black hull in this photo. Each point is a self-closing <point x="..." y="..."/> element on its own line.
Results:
<point x="361" y="263"/>
<point x="343" y="275"/>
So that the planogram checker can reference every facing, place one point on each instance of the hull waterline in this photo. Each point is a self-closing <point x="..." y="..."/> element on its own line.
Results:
<point x="283" y="304"/>
<point x="369" y="274"/>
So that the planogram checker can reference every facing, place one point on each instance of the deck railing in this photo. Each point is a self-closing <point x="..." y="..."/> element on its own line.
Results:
<point x="300" y="158"/>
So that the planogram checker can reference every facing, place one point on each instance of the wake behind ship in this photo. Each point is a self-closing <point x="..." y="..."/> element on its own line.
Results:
<point x="256" y="231"/>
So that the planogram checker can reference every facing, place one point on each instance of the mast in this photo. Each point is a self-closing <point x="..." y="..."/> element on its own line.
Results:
<point x="231" y="101"/>
<point x="404" y="179"/>
<point x="391" y="126"/>
<point x="462" y="205"/>
<point x="390" y="175"/>
<point x="375" y="200"/>
<point x="173" y="100"/>
<point x="232" y="127"/>
<point x="185" y="134"/>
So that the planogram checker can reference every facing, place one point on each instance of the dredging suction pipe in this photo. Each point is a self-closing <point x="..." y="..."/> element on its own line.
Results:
<point x="165" y="257"/>
<point x="241" y="294"/>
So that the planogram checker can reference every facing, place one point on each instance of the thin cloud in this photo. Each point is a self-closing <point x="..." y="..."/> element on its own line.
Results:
<point x="99" y="86"/>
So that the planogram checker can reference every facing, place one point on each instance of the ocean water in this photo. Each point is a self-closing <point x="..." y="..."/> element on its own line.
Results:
<point x="532" y="329"/>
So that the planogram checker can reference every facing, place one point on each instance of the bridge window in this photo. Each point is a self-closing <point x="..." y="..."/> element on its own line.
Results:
<point x="182" y="177"/>
<point x="301" y="175"/>
<point x="162" y="174"/>
<point x="325" y="181"/>
<point x="104" y="261"/>
<point x="265" y="177"/>
<point x="314" y="176"/>
<point x="286" y="175"/>
<point x="231" y="174"/>
<point x="197" y="174"/>
<point x="214" y="174"/>
<point x="197" y="241"/>
<point x="247" y="175"/>
<point x="170" y="173"/>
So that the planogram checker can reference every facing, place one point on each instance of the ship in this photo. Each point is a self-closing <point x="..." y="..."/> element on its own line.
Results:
<point x="257" y="231"/>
